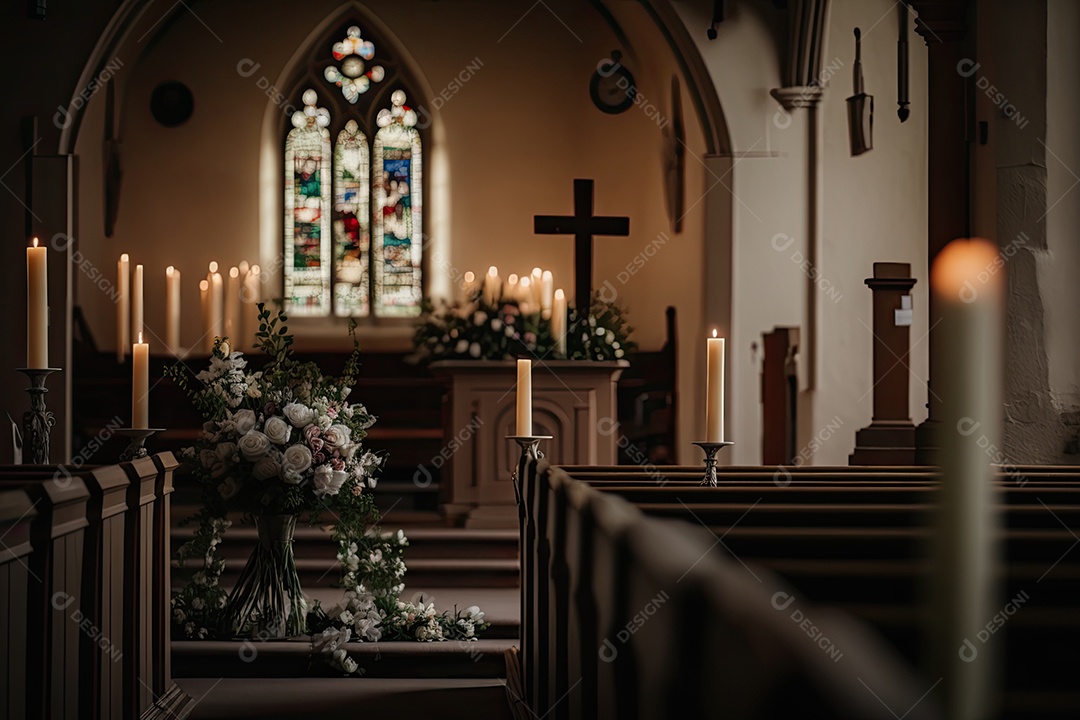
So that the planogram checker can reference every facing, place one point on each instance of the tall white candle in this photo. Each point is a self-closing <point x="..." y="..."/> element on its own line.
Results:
<point x="510" y="288"/>
<point x="969" y="291"/>
<point x="123" y="309"/>
<point x="140" y="384"/>
<point x="536" y="281"/>
<point x="524" y="397"/>
<point x="492" y="286"/>
<point x="137" y="302"/>
<point x="546" y="285"/>
<point x="714" y="391"/>
<point x="217" y="302"/>
<point x="172" y="310"/>
<point x="249" y="297"/>
<point x="468" y="286"/>
<point x="37" y="307"/>
<point x="525" y="295"/>
<point x="558" y="323"/>
<point x="232" y="308"/>
<point x="204" y="306"/>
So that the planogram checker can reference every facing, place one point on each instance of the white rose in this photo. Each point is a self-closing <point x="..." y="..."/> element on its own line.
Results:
<point x="244" y="421"/>
<point x="254" y="445"/>
<point x="208" y="458"/>
<point x="226" y="451"/>
<point x="328" y="481"/>
<point x="349" y="451"/>
<point x="296" y="460"/>
<point x="324" y="422"/>
<point x="337" y="436"/>
<point x="267" y="467"/>
<point x="299" y="415"/>
<point x="278" y="430"/>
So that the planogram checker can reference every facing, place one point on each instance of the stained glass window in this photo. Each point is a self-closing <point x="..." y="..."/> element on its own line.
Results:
<point x="397" y="238"/>
<point x="353" y="243"/>
<point x="352" y="222"/>
<point x="307" y="204"/>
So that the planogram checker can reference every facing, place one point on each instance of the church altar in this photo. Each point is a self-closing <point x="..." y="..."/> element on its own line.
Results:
<point x="574" y="402"/>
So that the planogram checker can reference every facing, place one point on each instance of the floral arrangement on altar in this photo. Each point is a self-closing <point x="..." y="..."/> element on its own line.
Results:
<point x="278" y="443"/>
<point x="485" y="328"/>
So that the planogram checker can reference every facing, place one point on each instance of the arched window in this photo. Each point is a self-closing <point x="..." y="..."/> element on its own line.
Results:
<point x="360" y="255"/>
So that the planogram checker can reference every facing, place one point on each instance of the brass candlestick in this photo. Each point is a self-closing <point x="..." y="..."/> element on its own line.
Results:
<point x="530" y="449"/>
<point x="38" y="421"/>
<point x="711" y="449"/>
<point x="137" y="446"/>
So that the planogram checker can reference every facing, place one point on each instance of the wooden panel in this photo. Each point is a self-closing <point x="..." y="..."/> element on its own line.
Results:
<point x="17" y="513"/>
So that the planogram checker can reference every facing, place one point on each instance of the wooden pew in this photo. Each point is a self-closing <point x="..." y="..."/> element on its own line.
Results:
<point x="864" y="548"/>
<point x="605" y="561"/>
<point x="17" y="516"/>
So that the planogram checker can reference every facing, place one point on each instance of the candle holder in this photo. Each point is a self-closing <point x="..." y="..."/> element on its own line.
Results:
<point x="711" y="449"/>
<point x="137" y="446"/>
<point x="38" y="421"/>
<point x="530" y="449"/>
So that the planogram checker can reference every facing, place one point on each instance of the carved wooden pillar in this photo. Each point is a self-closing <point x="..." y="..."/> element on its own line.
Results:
<point x="890" y="437"/>
<point x="943" y="24"/>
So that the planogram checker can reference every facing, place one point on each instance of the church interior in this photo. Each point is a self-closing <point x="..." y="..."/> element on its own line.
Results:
<point x="744" y="384"/>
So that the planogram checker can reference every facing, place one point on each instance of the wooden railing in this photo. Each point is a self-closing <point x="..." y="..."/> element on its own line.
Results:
<point x="84" y="589"/>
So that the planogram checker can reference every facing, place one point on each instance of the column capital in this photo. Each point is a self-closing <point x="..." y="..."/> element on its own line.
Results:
<point x="940" y="21"/>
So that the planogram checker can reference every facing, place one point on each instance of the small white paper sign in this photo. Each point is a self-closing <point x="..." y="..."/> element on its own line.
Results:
<point x="903" y="316"/>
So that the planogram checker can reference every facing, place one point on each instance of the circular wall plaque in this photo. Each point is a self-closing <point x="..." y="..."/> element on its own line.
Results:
<point x="172" y="103"/>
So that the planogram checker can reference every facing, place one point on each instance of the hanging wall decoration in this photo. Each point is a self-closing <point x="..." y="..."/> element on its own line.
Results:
<point x="860" y="107"/>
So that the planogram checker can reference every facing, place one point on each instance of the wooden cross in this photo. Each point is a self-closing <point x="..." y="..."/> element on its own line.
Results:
<point x="583" y="225"/>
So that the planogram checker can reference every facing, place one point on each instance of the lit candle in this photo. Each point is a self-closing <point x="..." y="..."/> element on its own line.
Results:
<point x="172" y="310"/>
<point x="217" y="302"/>
<point x="510" y="290"/>
<point x="546" y="285"/>
<point x="137" y="302"/>
<point x="244" y="268"/>
<point x="524" y="398"/>
<point x="123" y="309"/>
<point x="232" y="308"/>
<point x="249" y="296"/>
<point x="536" y="278"/>
<point x="492" y="285"/>
<point x="525" y="293"/>
<point x="37" y="307"/>
<point x="969" y="291"/>
<point x="468" y="285"/>
<point x="204" y="305"/>
<point x="714" y="391"/>
<point x="558" y="323"/>
<point x="140" y="384"/>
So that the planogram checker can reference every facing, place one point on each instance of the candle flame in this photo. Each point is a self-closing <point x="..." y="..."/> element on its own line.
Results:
<point x="560" y="294"/>
<point x="965" y="266"/>
<point x="493" y="271"/>
<point x="213" y="266"/>
<point x="714" y="332"/>
<point x="469" y="277"/>
<point x="234" y="272"/>
<point x="140" y="337"/>
<point x="526" y="281"/>
<point x="546" y="275"/>
<point x="512" y="279"/>
<point x="255" y="270"/>
<point x="537" y="271"/>
<point x="169" y="271"/>
<point x="124" y="257"/>
<point x="35" y="242"/>
<point x="203" y="285"/>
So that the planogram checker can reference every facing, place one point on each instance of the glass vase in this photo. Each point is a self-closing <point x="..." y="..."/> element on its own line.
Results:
<point x="267" y="602"/>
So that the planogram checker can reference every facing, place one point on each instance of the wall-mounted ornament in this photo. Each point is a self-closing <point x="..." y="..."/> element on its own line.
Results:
<point x="902" y="100"/>
<point x="860" y="107"/>
<point x="172" y="103"/>
<point x="612" y="87"/>
<point x="717" y="18"/>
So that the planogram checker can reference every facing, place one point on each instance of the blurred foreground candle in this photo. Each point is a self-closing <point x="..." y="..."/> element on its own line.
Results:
<point x="536" y="278"/>
<point x="968" y="287"/>
<point x="204" y="306"/>
<point x="524" y="398"/>
<point x="558" y="323"/>
<point x="137" y="302"/>
<point x="714" y="391"/>
<point x="468" y="285"/>
<point x="140" y="384"/>
<point x="232" y="309"/>
<point x="123" y="309"/>
<point x="510" y="289"/>
<point x="492" y="285"/>
<point x="172" y="310"/>
<point x="37" y="307"/>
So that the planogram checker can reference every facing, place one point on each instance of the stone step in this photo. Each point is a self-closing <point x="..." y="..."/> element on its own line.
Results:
<point x="293" y="659"/>
<point x="218" y="698"/>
